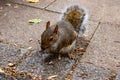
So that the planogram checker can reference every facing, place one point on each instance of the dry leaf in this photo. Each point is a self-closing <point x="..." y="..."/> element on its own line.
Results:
<point x="51" y="77"/>
<point x="59" y="57"/>
<point x="51" y="0"/>
<point x="32" y="1"/>
<point x="1" y="9"/>
<point x="29" y="48"/>
<point x="51" y="62"/>
<point x="15" y="6"/>
<point x="67" y="79"/>
<point x="8" y="4"/>
<point x="71" y="55"/>
<point x="30" y="40"/>
<point x="1" y="40"/>
<point x="1" y="71"/>
<point x="10" y="64"/>
<point x="15" y="44"/>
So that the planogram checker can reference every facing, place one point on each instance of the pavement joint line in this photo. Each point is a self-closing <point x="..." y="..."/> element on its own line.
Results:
<point x="69" y="75"/>
<point x="23" y="57"/>
<point x="112" y="75"/>
<point x="37" y="7"/>
<point x="72" y="70"/>
<point x="95" y="31"/>
<point x="50" y="4"/>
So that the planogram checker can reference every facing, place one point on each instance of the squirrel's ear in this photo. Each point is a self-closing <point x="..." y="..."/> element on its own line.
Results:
<point x="47" y="25"/>
<point x="56" y="29"/>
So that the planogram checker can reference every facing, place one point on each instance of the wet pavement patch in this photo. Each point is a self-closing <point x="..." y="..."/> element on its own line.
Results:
<point x="5" y="77"/>
<point x="46" y="66"/>
<point x="9" y="54"/>
<point x="85" y="71"/>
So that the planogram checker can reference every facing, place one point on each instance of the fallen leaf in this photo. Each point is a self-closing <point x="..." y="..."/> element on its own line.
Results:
<point x="30" y="40"/>
<point x="15" y="6"/>
<point x="1" y="40"/>
<point x="1" y="9"/>
<point x="71" y="55"/>
<point x="51" y="62"/>
<point x="67" y="79"/>
<point x="10" y="64"/>
<point x="51" y="77"/>
<point x="51" y="0"/>
<point x="59" y="57"/>
<point x="35" y="21"/>
<point x="1" y="71"/>
<point x="29" y="48"/>
<point x="15" y="44"/>
<point x="32" y="1"/>
<point x="8" y="4"/>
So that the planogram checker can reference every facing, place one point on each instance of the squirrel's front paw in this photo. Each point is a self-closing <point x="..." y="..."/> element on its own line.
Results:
<point x="71" y="55"/>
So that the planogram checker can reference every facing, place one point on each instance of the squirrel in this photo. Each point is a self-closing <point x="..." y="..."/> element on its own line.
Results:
<point x="61" y="37"/>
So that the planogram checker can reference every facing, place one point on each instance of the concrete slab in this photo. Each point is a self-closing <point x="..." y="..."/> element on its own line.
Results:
<point x="9" y="54"/>
<point x="44" y="66"/>
<point x="98" y="10"/>
<point x="14" y="26"/>
<point x="85" y="71"/>
<point x="104" y="48"/>
<point x="111" y="12"/>
<point x="40" y="4"/>
<point x="94" y="7"/>
<point x="90" y="26"/>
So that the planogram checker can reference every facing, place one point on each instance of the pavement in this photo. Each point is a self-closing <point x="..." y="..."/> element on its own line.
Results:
<point x="98" y="51"/>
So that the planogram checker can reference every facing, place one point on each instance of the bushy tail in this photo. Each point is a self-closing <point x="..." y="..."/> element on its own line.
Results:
<point x="76" y="16"/>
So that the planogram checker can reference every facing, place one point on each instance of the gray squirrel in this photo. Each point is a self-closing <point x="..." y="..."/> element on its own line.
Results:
<point x="61" y="37"/>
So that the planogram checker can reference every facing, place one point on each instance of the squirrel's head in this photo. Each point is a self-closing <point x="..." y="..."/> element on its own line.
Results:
<point x="49" y="36"/>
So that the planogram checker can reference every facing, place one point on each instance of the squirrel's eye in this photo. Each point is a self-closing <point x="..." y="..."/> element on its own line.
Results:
<point x="51" y="38"/>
